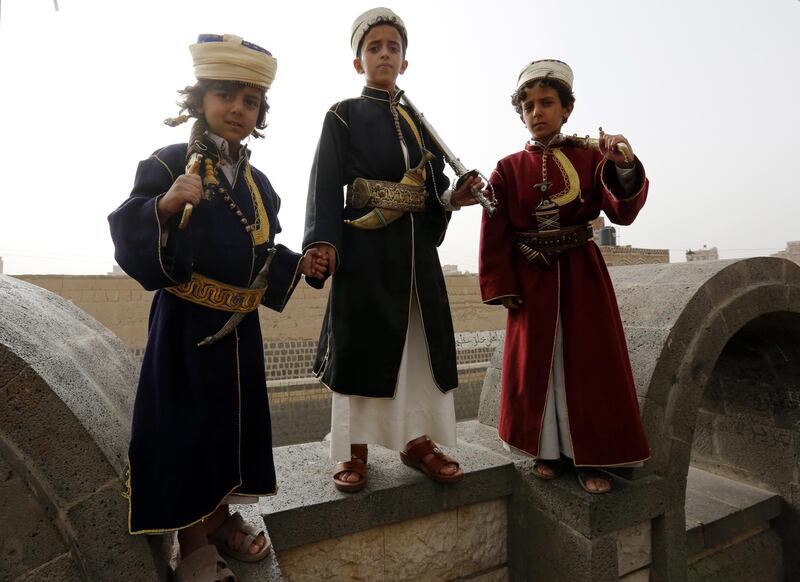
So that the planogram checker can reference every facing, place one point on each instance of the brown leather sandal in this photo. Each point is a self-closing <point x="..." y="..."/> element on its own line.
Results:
<point x="425" y="456"/>
<point x="357" y="464"/>
<point x="584" y="474"/>
<point x="556" y="467"/>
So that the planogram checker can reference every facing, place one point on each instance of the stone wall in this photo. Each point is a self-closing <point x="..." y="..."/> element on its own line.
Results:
<point x="301" y="407"/>
<point x="468" y="542"/>
<point x="120" y="304"/>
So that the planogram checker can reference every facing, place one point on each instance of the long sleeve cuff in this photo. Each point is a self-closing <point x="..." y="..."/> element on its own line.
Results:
<point x="284" y="274"/>
<point x="627" y="179"/>
<point x="447" y="201"/>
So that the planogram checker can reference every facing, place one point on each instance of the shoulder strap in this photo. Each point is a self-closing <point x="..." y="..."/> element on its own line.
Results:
<point x="410" y="120"/>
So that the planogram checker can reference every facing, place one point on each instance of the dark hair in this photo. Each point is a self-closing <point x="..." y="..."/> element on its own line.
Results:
<point x="192" y="98"/>
<point x="402" y="32"/>
<point x="565" y="94"/>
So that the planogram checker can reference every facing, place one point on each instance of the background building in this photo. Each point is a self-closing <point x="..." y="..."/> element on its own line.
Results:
<point x="616" y="255"/>
<point x="792" y="252"/>
<point x="704" y="254"/>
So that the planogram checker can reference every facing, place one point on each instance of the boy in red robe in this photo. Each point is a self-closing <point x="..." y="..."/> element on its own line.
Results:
<point x="567" y="388"/>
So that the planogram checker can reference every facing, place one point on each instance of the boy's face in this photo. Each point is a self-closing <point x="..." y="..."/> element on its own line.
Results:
<point x="381" y="57"/>
<point x="232" y="113"/>
<point x="543" y="113"/>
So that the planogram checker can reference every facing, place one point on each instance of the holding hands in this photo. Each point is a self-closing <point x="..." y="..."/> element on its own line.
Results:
<point x="327" y="255"/>
<point x="314" y="263"/>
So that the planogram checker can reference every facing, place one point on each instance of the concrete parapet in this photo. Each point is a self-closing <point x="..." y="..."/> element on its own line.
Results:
<point x="531" y="530"/>
<point x="66" y="394"/>
<point x="401" y="527"/>
<point x="308" y="508"/>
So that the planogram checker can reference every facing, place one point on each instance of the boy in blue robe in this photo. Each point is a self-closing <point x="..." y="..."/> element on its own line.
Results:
<point x="201" y="435"/>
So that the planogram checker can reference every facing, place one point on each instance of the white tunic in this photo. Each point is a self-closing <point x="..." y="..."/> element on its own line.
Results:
<point x="418" y="406"/>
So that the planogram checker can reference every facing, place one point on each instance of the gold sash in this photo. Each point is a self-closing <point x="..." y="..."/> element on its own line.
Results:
<point x="207" y="292"/>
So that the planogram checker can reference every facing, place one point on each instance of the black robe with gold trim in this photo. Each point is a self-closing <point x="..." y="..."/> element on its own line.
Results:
<point x="364" y="330"/>
<point x="201" y="422"/>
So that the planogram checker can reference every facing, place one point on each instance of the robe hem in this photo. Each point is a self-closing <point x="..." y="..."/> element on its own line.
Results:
<point x="497" y="297"/>
<point x="611" y="465"/>
<point x="195" y="522"/>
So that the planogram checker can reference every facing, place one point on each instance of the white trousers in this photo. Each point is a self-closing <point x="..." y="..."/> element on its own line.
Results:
<point x="555" y="440"/>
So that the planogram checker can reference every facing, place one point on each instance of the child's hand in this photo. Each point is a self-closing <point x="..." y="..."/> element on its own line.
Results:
<point x="328" y="253"/>
<point x="608" y="147"/>
<point x="464" y="195"/>
<point x="511" y="302"/>
<point x="314" y="263"/>
<point x="187" y="188"/>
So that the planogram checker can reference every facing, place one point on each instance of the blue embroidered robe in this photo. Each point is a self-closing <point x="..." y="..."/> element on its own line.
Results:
<point x="201" y="422"/>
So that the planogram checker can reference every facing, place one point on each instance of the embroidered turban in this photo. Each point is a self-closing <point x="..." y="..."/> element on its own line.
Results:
<point x="229" y="58"/>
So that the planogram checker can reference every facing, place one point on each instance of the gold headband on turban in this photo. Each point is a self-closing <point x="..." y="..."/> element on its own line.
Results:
<point x="549" y="68"/>
<point x="229" y="58"/>
<point x="369" y="19"/>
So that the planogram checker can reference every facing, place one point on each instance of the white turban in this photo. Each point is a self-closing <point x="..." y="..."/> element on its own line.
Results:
<point x="369" y="19"/>
<point x="229" y="58"/>
<point x="549" y="68"/>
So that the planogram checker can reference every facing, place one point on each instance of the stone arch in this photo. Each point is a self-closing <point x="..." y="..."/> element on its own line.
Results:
<point x="678" y="319"/>
<point x="66" y="394"/>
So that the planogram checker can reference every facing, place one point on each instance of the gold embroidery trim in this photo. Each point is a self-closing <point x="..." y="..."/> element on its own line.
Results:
<point x="259" y="235"/>
<point x="387" y="195"/>
<point x="570" y="175"/>
<point x="210" y="293"/>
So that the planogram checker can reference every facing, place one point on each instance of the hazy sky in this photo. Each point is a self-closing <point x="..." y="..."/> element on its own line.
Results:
<point x="706" y="92"/>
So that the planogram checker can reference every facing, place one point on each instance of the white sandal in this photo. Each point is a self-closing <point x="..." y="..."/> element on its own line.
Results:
<point x="221" y="537"/>
<point x="203" y="565"/>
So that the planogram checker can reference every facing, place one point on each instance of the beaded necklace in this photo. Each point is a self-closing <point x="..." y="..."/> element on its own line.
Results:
<point x="211" y="181"/>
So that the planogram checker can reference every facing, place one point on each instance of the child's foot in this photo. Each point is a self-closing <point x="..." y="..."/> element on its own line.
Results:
<point x="198" y="559"/>
<point x="423" y="454"/>
<point x="593" y="481"/>
<point x="203" y="563"/>
<point x="547" y="469"/>
<point x="351" y="476"/>
<point x="235" y="537"/>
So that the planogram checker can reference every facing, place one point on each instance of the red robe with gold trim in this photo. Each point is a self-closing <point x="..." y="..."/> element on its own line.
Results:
<point x="604" y="421"/>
